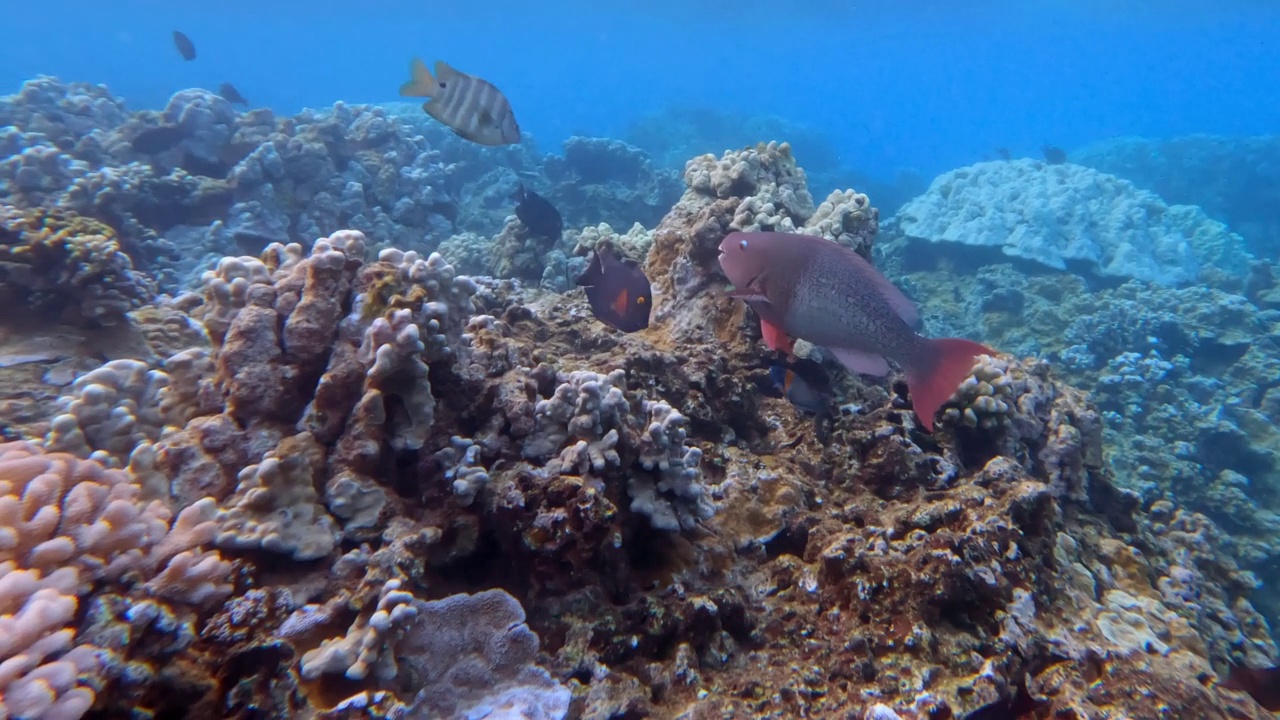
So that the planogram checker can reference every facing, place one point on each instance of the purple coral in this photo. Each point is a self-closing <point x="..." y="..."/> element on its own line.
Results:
<point x="473" y="657"/>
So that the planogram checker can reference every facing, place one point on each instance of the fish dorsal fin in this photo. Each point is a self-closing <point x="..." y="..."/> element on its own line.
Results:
<point x="593" y="273"/>
<point x="420" y="84"/>
<point x="897" y="300"/>
<point x="445" y="73"/>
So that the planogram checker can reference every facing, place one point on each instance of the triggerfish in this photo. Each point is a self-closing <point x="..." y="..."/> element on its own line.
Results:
<point x="619" y="292"/>
<point x="538" y="214"/>
<point x="473" y="108"/>
<point x="817" y="290"/>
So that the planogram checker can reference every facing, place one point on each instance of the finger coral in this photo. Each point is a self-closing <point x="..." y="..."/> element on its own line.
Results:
<point x="67" y="526"/>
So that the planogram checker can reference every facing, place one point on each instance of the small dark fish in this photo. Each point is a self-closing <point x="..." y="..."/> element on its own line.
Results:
<point x="538" y="214"/>
<point x="155" y="140"/>
<point x="1054" y="155"/>
<point x="805" y="385"/>
<point x="473" y="108"/>
<point x="618" y="291"/>
<point x="1003" y="153"/>
<point x="232" y="95"/>
<point x="1019" y="706"/>
<point x="184" y="45"/>
<point x="1262" y="684"/>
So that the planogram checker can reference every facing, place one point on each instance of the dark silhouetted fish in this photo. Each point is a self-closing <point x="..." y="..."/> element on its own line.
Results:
<point x="1003" y="153"/>
<point x="1021" y="705"/>
<point x="1262" y="684"/>
<point x="1054" y="155"/>
<point x="155" y="140"/>
<point x="818" y="290"/>
<point x="232" y="95"/>
<point x="803" y="383"/>
<point x="538" y="214"/>
<point x="806" y="386"/>
<point x="618" y="291"/>
<point x="473" y="108"/>
<point x="184" y="45"/>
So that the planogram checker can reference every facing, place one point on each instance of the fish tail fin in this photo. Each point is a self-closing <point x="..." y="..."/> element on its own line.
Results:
<point x="421" y="83"/>
<point x="934" y="379"/>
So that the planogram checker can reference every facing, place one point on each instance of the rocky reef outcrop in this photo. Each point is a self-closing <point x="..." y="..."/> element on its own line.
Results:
<point x="371" y="485"/>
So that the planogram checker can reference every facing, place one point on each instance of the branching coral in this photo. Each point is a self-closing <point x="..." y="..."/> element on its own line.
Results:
<point x="67" y="525"/>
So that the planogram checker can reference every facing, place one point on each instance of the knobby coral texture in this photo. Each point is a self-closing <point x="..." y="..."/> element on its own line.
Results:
<point x="1161" y="318"/>
<point x="187" y="184"/>
<point x="339" y="479"/>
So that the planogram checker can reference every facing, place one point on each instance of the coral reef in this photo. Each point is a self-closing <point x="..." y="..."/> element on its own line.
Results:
<point x="72" y="535"/>
<point x="1230" y="178"/>
<point x="600" y="180"/>
<point x="1070" y="217"/>
<point x="491" y="657"/>
<point x="58" y="268"/>
<point x="372" y="485"/>
<point x="198" y="180"/>
<point x="1183" y="378"/>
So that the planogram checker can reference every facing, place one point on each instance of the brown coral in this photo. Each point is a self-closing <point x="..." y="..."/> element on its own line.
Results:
<point x="64" y="268"/>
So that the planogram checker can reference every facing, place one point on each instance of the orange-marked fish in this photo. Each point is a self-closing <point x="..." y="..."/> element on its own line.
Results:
<point x="820" y="291"/>
<point x="619" y="292"/>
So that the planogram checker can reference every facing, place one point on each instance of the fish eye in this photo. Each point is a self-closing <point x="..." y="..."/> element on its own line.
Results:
<point x="640" y="300"/>
<point x="742" y="244"/>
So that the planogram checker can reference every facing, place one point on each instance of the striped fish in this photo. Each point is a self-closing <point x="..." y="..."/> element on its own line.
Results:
<point x="473" y="108"/>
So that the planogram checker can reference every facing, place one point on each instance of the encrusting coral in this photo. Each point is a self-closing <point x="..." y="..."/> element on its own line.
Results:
<point x="58" y="267"/>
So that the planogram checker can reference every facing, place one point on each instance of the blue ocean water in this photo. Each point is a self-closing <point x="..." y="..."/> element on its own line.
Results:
<point x="925" y="86"/>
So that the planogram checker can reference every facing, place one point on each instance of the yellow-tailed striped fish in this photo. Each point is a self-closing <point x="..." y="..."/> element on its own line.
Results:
<point x="472" y="107"/>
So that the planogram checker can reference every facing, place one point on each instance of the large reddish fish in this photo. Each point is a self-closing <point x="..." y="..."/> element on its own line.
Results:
<point x="817" y="290"/>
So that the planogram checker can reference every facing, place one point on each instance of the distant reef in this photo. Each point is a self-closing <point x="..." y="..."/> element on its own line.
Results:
<point x="1235" y="180"/>
<point x="1157" y="309"/>
<point x="198" y="179"/>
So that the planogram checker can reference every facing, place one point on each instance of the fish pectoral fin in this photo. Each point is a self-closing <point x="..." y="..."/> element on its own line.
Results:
<point x="420" y="84"/>
<point x="485" y="117"/>
<point x="861" y="361"/>
<point x="749" y="295"/>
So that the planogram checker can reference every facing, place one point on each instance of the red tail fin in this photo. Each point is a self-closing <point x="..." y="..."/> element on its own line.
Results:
<point x="936" y="376"/>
